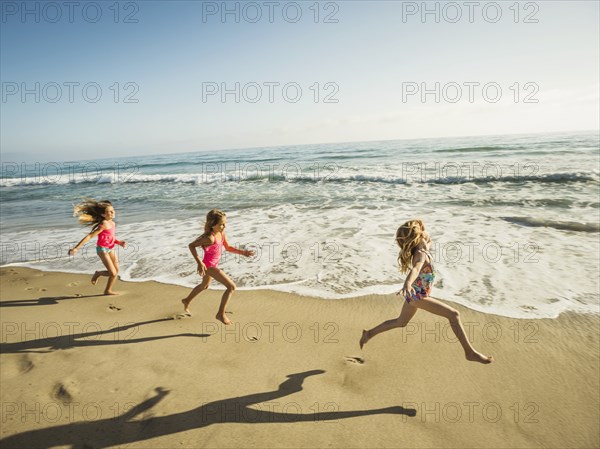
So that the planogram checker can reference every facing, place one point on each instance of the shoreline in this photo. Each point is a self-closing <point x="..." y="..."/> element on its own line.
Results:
<point x="121" y="371"/>
<point x="269" y="288"/>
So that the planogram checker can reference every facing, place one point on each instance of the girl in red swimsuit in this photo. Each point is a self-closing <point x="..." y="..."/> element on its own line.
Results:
<point x="212" y="242"/>
<point x="100" y="214"/>
<point x="414" y="258"/>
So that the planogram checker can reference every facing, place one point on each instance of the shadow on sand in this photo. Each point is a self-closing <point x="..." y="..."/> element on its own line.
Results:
<point x="122" y="430"/>
<point x="46" y="301"/>
<point x="120" y="335"/>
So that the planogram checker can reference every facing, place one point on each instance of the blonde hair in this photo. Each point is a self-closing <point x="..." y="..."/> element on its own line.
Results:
<point x="408" y="237"/>
<point x="91" y="212"/>
<point x="213" y="218"/>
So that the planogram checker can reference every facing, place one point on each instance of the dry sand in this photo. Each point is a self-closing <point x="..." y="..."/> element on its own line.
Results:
<point x="90" y="371"/>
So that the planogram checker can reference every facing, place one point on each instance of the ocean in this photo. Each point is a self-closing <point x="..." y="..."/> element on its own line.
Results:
<point x="515" y="220"/>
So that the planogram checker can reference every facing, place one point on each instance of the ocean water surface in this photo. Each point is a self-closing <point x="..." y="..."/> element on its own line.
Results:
<point x="514" y="219"/>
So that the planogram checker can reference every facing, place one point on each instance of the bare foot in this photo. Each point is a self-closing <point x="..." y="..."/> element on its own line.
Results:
<point x="110" y="293"/>
<point x="478" y="357"/>
<point x="364" y="338"/>
<point x="95" y="277"/>
<point x="186" y="306"/>
<point x="223" y="319"/>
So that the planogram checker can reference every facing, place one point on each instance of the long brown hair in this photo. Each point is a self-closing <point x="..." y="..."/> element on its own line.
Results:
<point x="213" y="218"/>
<point x="408" y="237"/>
<point x="91" y="212"/>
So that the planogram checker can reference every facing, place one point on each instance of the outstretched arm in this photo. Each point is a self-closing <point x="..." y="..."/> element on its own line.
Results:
<point x="231" y="249"/>
<point x="86" y="239"/>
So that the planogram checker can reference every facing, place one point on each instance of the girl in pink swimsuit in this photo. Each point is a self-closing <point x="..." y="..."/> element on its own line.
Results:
<point x="212" y="242"/>
<point x="99" y="215"/>
<point x="414" y="258"/>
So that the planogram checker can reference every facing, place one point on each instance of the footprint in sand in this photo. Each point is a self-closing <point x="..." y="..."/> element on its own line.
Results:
<point x="181" y="316"/>
<point x="72" y="284"/>
<point x="64" y="391"/>
<point x="252" y="338"/>
<point x="18" y="367"/>
<point x="114" y="308"/>
<point x="41" y="289"/>
<point x="25" y="364"/>
<point x="356" y="360"/>
<point x="29" y="288"/>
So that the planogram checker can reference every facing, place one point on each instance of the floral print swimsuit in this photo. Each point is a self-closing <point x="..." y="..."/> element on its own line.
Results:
<point x="424" y="281"/>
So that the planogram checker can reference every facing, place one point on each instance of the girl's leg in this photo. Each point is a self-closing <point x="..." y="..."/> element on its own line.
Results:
<point x="115" y="260"/>
<point x="99" y="273"/>
<point x="439" y="308"/>
<point x="108" y="259"/>
<point x="408" y="311"/>
<point x="221" y="277"/>
<point x="195" y="292"/>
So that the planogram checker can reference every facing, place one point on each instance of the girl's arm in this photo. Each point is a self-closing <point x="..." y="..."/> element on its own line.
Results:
<point x="231" y="249"/>
<point x="200" y="241"/>
<point x="418" y="261"/>
<point x="86" y="239"/>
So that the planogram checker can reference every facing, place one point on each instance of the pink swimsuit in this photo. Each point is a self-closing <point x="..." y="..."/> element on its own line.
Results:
<point x="106" y="239"/>
<point x="212" y="253"/>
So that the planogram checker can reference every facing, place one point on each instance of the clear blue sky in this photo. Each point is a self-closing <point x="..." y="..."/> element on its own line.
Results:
<point x="370" y="55"/>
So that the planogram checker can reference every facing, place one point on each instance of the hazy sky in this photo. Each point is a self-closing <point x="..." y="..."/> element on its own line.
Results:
<point x="98" y="79"/>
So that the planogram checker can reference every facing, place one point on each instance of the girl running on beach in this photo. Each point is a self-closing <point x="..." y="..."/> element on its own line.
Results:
<point x="212" y="241"/>
<point x="99" y="215"/>
<point x="414" y="258"/>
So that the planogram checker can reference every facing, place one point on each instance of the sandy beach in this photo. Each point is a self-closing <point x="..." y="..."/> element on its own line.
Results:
<point x="83" y="370"/>
<point x="320" y="155"/>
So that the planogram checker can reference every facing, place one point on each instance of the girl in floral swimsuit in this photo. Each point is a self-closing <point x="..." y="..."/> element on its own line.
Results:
<point x="414" y="258"/>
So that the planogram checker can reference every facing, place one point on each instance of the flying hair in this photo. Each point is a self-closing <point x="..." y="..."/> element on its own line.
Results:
<point x="91" y="212"/>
